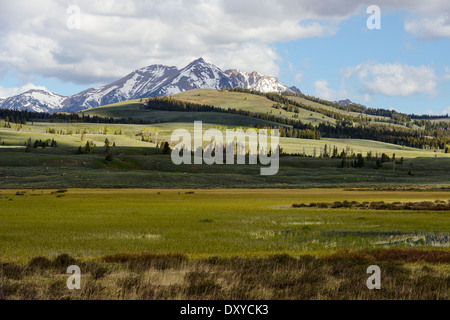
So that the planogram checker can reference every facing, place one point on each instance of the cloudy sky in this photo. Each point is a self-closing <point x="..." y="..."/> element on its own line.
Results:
<point x="323" y="47"/>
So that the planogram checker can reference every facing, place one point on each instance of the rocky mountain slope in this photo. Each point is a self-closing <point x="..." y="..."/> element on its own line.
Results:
<point x="155" y="80"/>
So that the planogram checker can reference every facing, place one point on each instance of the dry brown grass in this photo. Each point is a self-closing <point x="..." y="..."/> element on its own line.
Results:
<point x="406" y="274"/>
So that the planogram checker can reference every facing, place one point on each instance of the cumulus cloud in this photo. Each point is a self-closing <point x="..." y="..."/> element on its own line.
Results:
<point x="299" y="77"/>
<point x="324" y="92"/>
<point x="428" y="20"/>
<point x="9" y="92"/>
<point x="430" y="28"/>
<point x="117" y="37"/>
<point x="393" y="79"/>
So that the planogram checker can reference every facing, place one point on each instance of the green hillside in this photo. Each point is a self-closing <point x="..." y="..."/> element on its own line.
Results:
<point x="134" y="109"/>
<point x="262" y="110"/>
<point x="247" y="102"/>
<point x="136" y="133"/>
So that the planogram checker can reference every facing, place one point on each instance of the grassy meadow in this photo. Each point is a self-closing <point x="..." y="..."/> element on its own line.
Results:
<point x="219" y="244"/>
<point x="140" y="164"/>
<point x="141" y="227"/>
<point x="201" y="223"/>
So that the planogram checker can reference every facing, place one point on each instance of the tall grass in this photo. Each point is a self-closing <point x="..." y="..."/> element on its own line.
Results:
<point x="341" y="275"/>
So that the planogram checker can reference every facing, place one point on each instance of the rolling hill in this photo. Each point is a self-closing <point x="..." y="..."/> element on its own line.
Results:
<point x="218" y="98"/>
<point x="313" y="113"/>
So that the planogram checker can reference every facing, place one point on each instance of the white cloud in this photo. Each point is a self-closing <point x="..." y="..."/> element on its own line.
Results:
<point x="430" y="28"/>
<point x="9" y="92"/>
<point x="427" y="20"/>
<point x="446" y="76"/>
<point x="117" y="37"/>
<point x="393" y="79"/>
<point x="323" y="91"/>
<point x="299" y="77"/>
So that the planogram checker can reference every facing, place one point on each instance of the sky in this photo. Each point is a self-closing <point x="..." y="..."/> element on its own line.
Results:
<point x="326" y="48"/>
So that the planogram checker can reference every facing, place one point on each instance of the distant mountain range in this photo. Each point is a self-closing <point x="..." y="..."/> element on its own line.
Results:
<point x="155" y="80"/>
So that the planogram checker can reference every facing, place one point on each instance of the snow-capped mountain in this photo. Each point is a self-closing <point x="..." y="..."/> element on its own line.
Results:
<point x="137" y="84"/>
<point x="198" y="74"/>
<point x="35" y="100"/>
<point x="155" y="80"/>
<point x="255" y="81"/>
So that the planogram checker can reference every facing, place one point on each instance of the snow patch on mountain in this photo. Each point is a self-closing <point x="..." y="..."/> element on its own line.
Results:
<point x="37" y="100"/>
<point x="256" y="81"/>
<point x="197" y="75"/>
<point x="155" y="80"/>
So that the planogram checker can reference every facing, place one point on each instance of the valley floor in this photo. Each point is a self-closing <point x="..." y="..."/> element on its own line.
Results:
<point x="91" y="223"/>
<point x="221" y="244"/>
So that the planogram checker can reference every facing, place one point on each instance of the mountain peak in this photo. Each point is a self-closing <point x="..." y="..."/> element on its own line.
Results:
<point x="295" y="89"/>
<point x="42" y="90"/>
<point x="199" y="60"/>
<point x="154" y="80"/>
<point x="345" y="102"/>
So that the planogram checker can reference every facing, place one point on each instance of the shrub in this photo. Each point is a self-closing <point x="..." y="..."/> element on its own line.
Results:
<point x="142" y="261"/>
<point x="96" y="270"/>
<point x="63" y="261"/>
<point x="13" y="271"/>
<point x="39" y="263"/>
<point x="201" y="284"/>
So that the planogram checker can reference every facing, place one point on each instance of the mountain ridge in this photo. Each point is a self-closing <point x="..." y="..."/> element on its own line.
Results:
<point x="154" y="80"/>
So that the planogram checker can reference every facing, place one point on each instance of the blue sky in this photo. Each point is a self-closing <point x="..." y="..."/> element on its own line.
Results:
<point x="322" y="47"/>
<point x="325" y="58"/>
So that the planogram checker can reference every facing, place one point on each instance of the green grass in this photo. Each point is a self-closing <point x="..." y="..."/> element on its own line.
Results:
<point x="134" y="110"/>
<point x="93" y="223"/>
<point x="255" y="103"/>
<point x="225" y="100"/>
<point x="140" y="164"/>
<point x="348" y="113"/>
<point x="130" y="136"/>
<point x="248" y="102"/>
<point x="291" y="145"/>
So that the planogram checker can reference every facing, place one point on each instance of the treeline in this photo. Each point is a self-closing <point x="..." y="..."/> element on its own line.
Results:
<point x="396" y="117"/>
<point x="434" y="135"/>
<point x="297" y="129"/>
<point x="24" y="117"/>
<point x="29" y="146"/>
<point x="404" y="137"/>
<point x="428" y="116"/>
<point x="338" y="116"/>
<point x="343" y="129"/>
